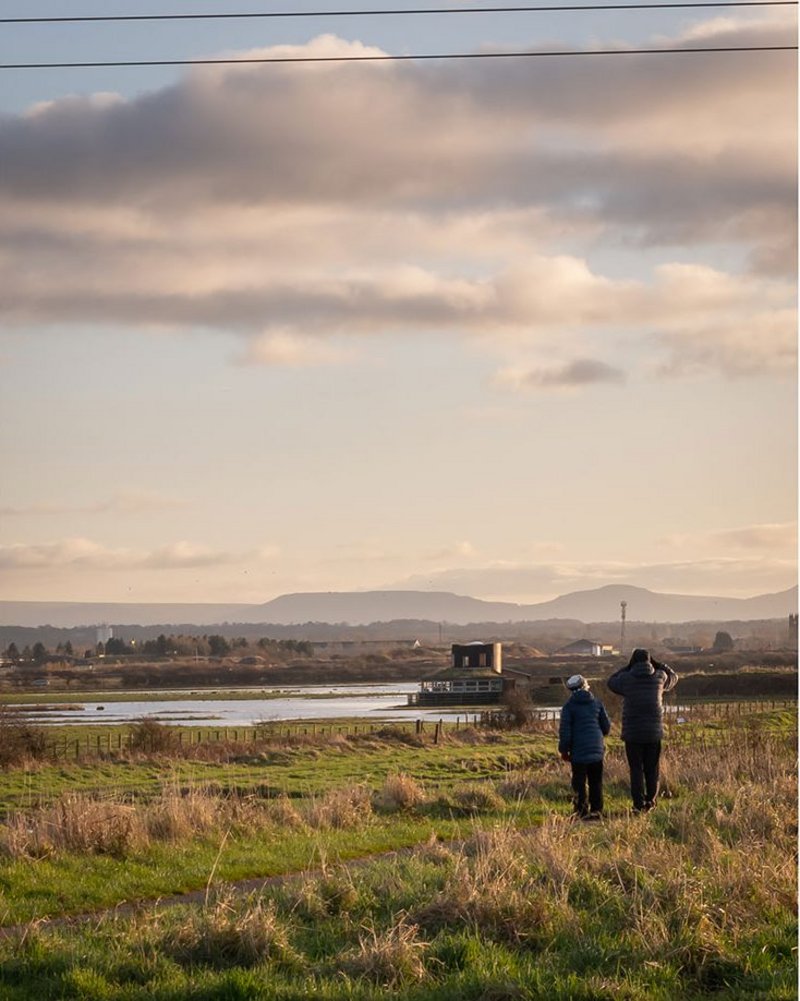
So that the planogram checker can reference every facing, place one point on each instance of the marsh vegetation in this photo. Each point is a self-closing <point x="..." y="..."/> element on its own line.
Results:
<point x="497" y="895"/>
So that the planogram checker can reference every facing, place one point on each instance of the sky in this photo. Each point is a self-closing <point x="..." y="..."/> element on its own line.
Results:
<point x="504" y="327"/>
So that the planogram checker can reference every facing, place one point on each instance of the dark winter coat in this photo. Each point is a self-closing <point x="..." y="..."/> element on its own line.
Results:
<point x="584" y="723"/>
<point x="642" y="686"/>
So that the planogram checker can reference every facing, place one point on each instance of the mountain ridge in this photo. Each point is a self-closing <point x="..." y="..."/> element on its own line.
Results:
<point x="600" y="604"/>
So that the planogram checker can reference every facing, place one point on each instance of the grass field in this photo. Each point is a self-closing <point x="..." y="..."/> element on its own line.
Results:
<point x="502" y="897"/>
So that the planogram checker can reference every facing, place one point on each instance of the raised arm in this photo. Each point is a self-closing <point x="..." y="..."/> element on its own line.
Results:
<point x="617" y="681"/>
<point x="604" y="721"/>
<point x="672" y="677"/>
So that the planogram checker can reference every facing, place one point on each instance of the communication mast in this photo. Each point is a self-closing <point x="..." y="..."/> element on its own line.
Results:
<point x="622" y="606"/>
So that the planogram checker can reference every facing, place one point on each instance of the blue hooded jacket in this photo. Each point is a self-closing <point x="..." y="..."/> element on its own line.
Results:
<point x="584" y="723"/>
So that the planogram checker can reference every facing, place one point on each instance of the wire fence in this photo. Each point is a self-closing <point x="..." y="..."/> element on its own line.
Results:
<point x="152" y="737"/>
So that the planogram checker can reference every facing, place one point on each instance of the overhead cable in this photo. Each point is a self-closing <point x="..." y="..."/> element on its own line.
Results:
<point x="387" y="57"/>
<point x="242" y="15"/>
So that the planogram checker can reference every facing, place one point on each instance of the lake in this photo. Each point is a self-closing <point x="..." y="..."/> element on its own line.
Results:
<point x="375" y="702"/>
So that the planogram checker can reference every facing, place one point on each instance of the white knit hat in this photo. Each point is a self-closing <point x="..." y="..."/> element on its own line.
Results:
<point x="576" y="682"/>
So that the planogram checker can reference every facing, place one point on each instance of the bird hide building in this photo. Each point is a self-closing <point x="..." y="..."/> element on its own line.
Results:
<point x="475" y="677"/>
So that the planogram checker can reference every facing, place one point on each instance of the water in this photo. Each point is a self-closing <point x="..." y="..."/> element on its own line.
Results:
<point x="374" y="702"/>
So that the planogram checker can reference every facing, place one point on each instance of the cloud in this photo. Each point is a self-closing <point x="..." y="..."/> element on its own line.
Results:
<point x="776" y="536"/>
<point x="578" y="373"/>
<point x="283" y="205"/>
<point x="458" y="549"/>
<point x="81" y="552"/>
<point x="293" y="350"/>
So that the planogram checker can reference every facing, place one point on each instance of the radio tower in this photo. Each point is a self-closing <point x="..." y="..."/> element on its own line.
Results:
<point x="622" y="606"/>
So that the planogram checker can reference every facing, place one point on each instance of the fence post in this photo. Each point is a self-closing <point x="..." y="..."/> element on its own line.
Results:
<point x="437" y="732"/>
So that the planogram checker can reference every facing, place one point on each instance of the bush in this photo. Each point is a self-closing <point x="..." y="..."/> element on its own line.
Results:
<point x="151" y="737"/>
<point x="18" y="740"/>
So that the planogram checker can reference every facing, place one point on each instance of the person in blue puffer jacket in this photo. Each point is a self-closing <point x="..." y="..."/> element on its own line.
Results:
<point x="642" y="683"/>
<point x="584" y="724"/>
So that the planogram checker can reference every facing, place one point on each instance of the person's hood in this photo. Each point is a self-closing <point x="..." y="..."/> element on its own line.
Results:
<point x="582" y="695"/>
<point x="642" y="669"/>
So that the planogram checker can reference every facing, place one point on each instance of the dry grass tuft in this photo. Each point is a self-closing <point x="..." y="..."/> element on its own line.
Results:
<point x="476" y="797"/>
<point x="490" y="889"/>
<point x="77" y="824"/>
<point x="225" y="933"/>
<point x="283" y="813"/>
<point x="175" y="817"/>
<point x="400" y="792"/>
<point x="341" y="808"/>
<point x="518" y="786"/>
<point x="388" y="958"/>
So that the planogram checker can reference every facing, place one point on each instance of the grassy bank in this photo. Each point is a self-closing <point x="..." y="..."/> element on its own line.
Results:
<point x="694" y="900"/>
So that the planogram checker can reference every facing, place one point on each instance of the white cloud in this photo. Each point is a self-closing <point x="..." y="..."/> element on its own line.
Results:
<point x="457" y="550"/>
<point x="293" y="350"/>
<point x="285" y="206"/>
<point x="81" y="552"/>
<point x="777" y="537"/>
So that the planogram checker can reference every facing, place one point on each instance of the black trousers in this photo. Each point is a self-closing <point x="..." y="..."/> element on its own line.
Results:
<point x="593" y="773"/>
<point x="643" y="760"/>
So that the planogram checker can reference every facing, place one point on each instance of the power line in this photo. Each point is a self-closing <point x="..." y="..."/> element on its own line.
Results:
<point x="243" y="15"/>
<point x="386" y="58"/>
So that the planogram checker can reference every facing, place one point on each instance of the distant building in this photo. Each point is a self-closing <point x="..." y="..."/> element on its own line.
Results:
<point x="474" y="678"/>
<point x="587" y="648"/>
<point x="679" y="645"/>
<point x="104" y="633"/>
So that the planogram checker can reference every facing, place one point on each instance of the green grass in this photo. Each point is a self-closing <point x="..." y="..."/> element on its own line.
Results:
<point x="569" y="911"/>
<point x="296" y="770"/>
<point x="696" y="900"/>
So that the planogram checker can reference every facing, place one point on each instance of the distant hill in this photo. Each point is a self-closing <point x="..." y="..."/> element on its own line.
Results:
<point x="600" y="604"/>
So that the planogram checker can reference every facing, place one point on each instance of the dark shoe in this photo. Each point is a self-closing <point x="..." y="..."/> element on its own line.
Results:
<point x="594" y="815"/>
<point x="649" y="805"/>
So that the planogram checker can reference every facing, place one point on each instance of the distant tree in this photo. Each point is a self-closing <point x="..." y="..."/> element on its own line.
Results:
<point x="39" y="653"/>
<point x="239" y="642"/>
<point x="218" y="646"/>
<point x="116" y="646"/>
<point x="12" y="653"/>
<point x="723" y="642"/>
<point x="68" y="649"/>
<point x="27" y="653"/>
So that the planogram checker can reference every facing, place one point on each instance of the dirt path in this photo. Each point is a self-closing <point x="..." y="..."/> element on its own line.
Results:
<point x="242" y="886"/>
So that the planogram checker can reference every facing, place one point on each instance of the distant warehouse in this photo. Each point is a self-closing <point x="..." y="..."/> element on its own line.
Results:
<point x="587" y="648"/>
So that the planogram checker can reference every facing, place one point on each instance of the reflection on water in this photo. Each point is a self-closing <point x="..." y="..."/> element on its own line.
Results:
<point x="375" y="702"/>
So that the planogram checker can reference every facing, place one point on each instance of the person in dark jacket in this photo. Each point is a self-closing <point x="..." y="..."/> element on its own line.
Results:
<point x="584" y="724"/>
<point x="642" y="684"/>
